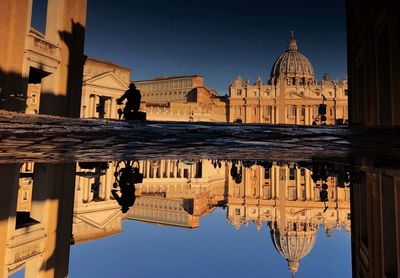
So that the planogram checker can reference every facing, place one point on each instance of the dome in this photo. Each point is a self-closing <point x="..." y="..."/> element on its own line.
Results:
<point x="292" y="63"/>
<point x="293" y="245"/>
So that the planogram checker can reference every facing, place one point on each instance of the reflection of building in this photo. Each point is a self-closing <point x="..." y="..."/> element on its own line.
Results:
<point x="42" y="72"/>
<point x="36" y="204"/>
<point x="96" y="213"/>
<point x="181" y="98"/>
<point x="177" y="193"/>
<point x="281" y="194"/>
<point x="285" y="197"/>
<point x="103" y="83"/>
<point x="291" y="96"/>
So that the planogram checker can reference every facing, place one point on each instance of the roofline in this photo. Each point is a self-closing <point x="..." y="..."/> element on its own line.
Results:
<point x="167" y="78"/>
<point x="87" y="58"/>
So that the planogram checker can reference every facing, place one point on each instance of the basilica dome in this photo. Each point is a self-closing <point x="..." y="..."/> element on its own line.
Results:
<point x="293" y="245"/>
<point x="292" y="63"/>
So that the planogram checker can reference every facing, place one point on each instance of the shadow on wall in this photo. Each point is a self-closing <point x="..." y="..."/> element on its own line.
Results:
<point x="62" y="94"/>
<point x="51" y="207"/>
<point x="13" y="91"/>
<point x="67" y="104"/>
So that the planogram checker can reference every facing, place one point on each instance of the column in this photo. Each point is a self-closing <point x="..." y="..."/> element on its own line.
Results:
<point x="298" y="183"/>
<point x="277" y="193"/>
<point x="108" y="184"/>
<point x="272" y="114"/>
<point x="306" y="115"/>
<point x="162" y="168"/>
<point x="168" y="168"/>
<point x="107" y="109"/>
<point x="308" y="184"/>
<point x="113" y="112"/>
<point x="298" y="111"/>
<point x="272" y="182"/>
<point x="90" y="108"/>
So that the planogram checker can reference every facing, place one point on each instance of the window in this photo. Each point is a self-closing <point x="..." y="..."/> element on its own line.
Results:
<point x="292" y="194"/>
<point x="238" y="111"/>
<point x="267" y="191"/>
<point x="237" y="211"/>
<point x="346" y="92"/>
<point x="291" y="174"/>
<point x="267" y="174"/>
<point x="239" y="92"/>
<point x="25" y="195"/>
<point x="255" y="111"/>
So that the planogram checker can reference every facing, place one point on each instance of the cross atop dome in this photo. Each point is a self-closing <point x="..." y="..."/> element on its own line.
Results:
<point x="292" y="42"/>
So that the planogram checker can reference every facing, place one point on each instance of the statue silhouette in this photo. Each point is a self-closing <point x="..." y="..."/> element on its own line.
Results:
<point x="132" y="106"/>
<point x="126" y="178"/>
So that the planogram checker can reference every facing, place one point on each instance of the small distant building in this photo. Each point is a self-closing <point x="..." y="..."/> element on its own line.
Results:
<point x="181" y="98"/>
<point x="103" y="83"/>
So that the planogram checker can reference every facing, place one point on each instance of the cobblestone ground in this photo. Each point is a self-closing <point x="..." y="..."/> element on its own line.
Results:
<point x="54" y="139"/>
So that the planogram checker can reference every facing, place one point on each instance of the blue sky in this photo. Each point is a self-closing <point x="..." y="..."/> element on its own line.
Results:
<point x="218" y="39"/>
<point x="216" y="249"/>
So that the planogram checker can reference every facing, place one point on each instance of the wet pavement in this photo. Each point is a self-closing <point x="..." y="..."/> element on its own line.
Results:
<point x="226" y="199"/>
<point x="50" y="139"/>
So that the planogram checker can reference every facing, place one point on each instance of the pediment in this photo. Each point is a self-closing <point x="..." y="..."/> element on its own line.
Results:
<point x="99" y="218"/>
<point x="106" y="80"/>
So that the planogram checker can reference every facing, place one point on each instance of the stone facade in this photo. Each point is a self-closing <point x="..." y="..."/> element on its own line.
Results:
<point x="291" y="96"/>
<point x="181" y="98"/>
<point x="103" y="83"/>
<point x="42" y="72"/>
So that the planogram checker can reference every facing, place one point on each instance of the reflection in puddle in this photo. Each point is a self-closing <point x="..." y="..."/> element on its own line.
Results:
<point x="293" y="199"/>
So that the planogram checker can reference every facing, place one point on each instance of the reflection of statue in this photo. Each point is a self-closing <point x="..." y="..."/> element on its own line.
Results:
<point x="126" y="179"/>
<point x="132" y="106"/>
<point x="235" y="174"/>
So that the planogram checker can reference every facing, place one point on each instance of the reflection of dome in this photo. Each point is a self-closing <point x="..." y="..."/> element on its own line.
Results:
<point x="293" y="245"/>
<point x="292" y="63"/>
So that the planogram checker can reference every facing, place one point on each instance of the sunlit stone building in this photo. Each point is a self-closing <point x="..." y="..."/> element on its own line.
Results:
<point x="41" y="70"/>
<point x="181" y="98"/>
<point x="96" y="213"/>
<point x="103" y="83"/>
<point x="177" y="193"/>
<point x="284" y="196"/>
<point x="291" y="95"/>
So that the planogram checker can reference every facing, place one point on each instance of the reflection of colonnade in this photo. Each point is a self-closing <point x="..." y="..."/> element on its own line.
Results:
<point x="176" y="192"/>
